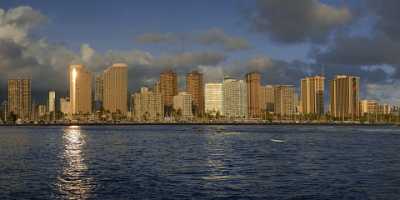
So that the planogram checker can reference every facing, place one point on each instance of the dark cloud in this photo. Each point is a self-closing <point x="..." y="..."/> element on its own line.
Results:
<point x="219" y="38"/>
<point x="387" y="15"/>
<point x="291" y="21"/>
<point x="360" y="50"/>
<point x="213" y="37"/>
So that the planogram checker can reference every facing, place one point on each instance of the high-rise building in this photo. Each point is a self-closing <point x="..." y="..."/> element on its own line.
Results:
<point x="344" y="98"/>
<point x="285" y="100"/>
<point x="51" y="105"/>
<point x="80" y="89"/>
<point x="254" y="96"/>
<point x="115" y="88"/>
<point x="168" y="89"/>
<point x="194" y="87"/>
<point x="312" y="95"/>
<point x="98" y="92"/>
<point x="268" y="98"/>
<point x="183" y="104"/>
<point x="52" y="102"/>
<point x="368" y="106"/>
<point x="235" y="98"/>
<point x="147" y="105"/>
<point x="214" y="98"/>
<point x="20" y="98"/>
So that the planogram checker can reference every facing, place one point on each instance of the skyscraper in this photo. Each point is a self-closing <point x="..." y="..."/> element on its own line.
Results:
<point x="194" y="87"/>
<point x="52" y="101"/>
<point x="312" y="95"/>
<point x="254" y="94"/>
<point x="20" y="98"/>
<point x="269" y="98"/>
<point x="183" y="104"/>
<point x="115" y="88"/>
<point x="284" y="100"/>
<point x="345" y="95"/>
<point x="52" y="104"/>
<point x="214" y="98"/>
<point x="80" y="89"/>
<point x="168" y="89"/>
<point x="235" y="98"/>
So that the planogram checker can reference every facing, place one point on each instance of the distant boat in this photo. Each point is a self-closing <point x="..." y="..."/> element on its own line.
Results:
<point x="277" y="141"/>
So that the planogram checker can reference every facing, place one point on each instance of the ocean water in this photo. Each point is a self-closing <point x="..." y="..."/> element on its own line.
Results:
<point x="200" y="162"/>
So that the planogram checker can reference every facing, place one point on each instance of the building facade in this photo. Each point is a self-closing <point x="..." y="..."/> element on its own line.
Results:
<point x="285" y="102"/>
<point x="195" y="87"/>
<point x="168" y="88"/>
<point x="115" y="89"/>
<point x="147" y="105"/>
<point x="368" y="107"/>
<point x="235" y="98"/>
<point x="65" y="106"/>
<point x="80" y="89"/>
<point x="183" y="104"/>
<point x="312" y="95"/>
<point x="20" y="98"/>
<point x="98" y="93"/>
<point x="254" y="97"/>
<point x="214" y="98"/>
<point x="268" y="99"/>
<point x="344" y="98"/>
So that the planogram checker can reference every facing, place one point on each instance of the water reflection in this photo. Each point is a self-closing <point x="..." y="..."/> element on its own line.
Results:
<point x="218" y="151"/>
<point x="73" y="183"/>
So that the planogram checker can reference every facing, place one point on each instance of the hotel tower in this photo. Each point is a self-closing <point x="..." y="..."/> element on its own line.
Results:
<point x="80" y="89"/>
<point x="115" y="88"/>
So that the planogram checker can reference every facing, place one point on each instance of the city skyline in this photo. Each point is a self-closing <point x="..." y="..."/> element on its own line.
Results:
<point x="245" y="98"/>
<point x="39" y="39"/>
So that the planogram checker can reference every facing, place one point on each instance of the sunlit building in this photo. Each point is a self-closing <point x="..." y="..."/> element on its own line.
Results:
<point x="80" y="89"/>
<point x="369" y="107"/>
<point x="312" y="95"/>
<point x="168" y="88"/>
<point x="235" y="98"/>
<point x="147" y="105"/>
<point x="195" y="87"/>
<point x="385" y="109"/>
<point x="285" y="100"/>
<point x="52" y="102"/>
<point x="254" y="96"/>
<point x="20" y="98"/>
<point x="268" y="98"/>
<point x="65" y="106"/>
<point x="344" y="98"/>
<point x="183" y="104"/>
<point x="115" y="89"/>
<point x="214" y="98"/>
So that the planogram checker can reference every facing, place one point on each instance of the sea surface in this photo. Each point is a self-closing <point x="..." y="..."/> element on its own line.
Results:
<point x="200" y="162"/>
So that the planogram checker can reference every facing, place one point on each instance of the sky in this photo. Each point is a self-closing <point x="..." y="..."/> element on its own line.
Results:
<point x="284" y="40"/>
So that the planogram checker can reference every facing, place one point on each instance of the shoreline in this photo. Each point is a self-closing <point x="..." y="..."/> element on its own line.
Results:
<point x="204" y="124"/>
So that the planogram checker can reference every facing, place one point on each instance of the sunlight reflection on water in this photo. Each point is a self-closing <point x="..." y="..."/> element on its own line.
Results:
<point x="73" y="181"/>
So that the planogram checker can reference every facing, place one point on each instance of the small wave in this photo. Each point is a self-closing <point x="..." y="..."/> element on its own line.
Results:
<point x="277" y="141"/>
